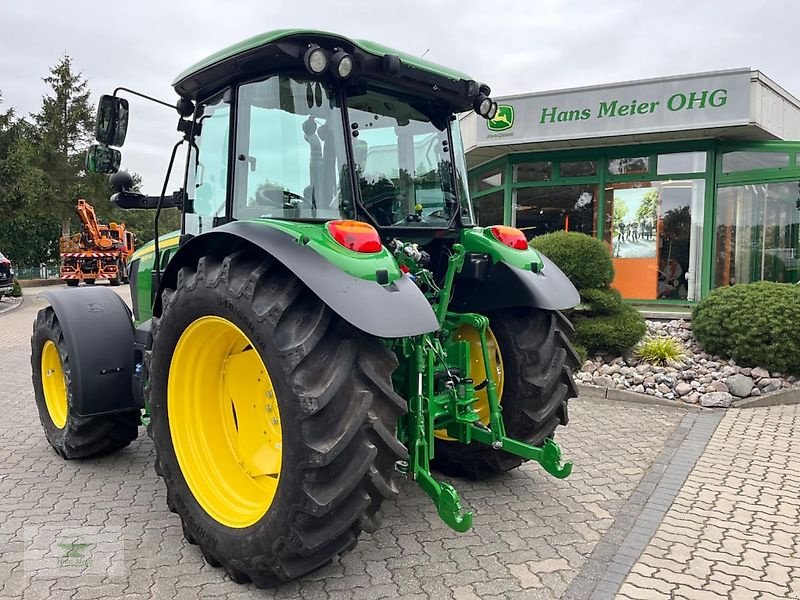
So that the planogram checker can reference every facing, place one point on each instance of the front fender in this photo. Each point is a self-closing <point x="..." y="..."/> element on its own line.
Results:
<point x="98" y="334"/>
<point x="508" y="286"/>
<point x="398" y="309"/>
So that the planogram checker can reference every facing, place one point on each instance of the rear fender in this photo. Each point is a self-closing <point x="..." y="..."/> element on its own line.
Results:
<point x="398" y="309"/>
<point x="508" y="286"/>
<point x="98" y="334"/>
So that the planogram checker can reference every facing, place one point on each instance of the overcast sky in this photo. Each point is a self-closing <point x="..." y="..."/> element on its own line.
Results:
<point x="515" y="46"/>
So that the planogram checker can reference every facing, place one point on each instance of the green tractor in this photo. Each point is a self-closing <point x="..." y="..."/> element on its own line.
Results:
<point x="330" y="316"/>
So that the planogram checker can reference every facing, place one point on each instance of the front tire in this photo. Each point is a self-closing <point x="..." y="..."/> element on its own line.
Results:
<point x="304" y="408"/>
<point x="537" y="364"/>
<point x="70" y="435"/>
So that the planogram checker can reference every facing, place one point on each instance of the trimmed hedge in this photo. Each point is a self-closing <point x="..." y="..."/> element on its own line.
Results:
<point x="615" y="333"/>
<point x="606" y="324"/>
<point x="757" y="324"/>
<point x="584" y="259"/>
<point x="601" y="301"/>
<point x="16" y="290"/>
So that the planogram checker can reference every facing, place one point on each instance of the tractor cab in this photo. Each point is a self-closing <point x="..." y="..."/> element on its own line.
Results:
<point x="311" y="126"/>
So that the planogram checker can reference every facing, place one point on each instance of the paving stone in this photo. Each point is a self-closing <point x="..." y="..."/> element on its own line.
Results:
<point x="729" y="530"/>
<point x="532" y="533"/>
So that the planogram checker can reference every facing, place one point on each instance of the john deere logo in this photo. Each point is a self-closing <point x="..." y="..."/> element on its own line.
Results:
<point x="503" y="120"/>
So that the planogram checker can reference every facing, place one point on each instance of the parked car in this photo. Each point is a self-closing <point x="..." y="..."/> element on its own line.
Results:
<point x="6" y="276"/>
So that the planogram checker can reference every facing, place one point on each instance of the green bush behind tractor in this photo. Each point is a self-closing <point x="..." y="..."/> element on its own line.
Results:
<point x="328" y="318"/>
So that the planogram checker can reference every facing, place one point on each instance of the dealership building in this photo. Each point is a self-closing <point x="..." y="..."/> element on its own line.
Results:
<point x="693" y="181"/>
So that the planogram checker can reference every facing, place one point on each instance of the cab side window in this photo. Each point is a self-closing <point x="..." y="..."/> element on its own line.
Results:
<point x="210" y="182"/>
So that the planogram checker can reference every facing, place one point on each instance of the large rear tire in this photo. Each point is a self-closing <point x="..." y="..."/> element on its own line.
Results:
<point x="537" y="363"/>
<point x="73" y="282"/>
<point x="249" y="362"/>
<point x="71" y="435"/>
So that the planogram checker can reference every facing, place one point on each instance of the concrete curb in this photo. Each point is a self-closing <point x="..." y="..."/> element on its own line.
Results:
<point x="9" y="307"/>
<point x="587" y="390"/>
<point x="776" y="398"/>
<point x="39" y="282"/>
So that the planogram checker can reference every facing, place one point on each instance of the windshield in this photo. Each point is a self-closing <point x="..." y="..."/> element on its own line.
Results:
<point x="290" y="152"/>
<point x="402" y="161"/>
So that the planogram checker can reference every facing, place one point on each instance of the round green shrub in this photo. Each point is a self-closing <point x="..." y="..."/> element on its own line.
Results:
<point x="616" y="333"/>
<point x="601" y="301"/>
<point x="16" y="290"/>
<point x="584" y="259"/>
<point x="757" y="324"/>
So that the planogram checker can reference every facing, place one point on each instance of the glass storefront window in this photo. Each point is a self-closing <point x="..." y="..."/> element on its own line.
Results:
<point x="491" y="179"/>
<point x="489" y="209"/>
<point x="581" y="168"/>
<point x="751" y="161"/>
<point x="681" y="162"/>
<point x="541" y="210"/>
<point x="757" y="233"/>
<point x="628" y="166"/>
<point x="533" y="171"/>
<point x="654" y="230"/>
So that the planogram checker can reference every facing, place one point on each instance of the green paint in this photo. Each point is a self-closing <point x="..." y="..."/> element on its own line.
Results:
<point x="504" y="119"/>
<point x="143" y="260"/>
<point x="357" y="264"/>
<point x="480" y="239"/>
<point x="434" y="405"/>
<point x="231" y="52"/>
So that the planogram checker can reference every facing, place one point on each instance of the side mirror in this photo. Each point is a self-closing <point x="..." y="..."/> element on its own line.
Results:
<point x="102" y="159"/>
<point x="112" y="120"/>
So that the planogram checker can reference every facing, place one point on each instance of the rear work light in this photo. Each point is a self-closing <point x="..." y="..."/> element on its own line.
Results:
<point x="510" y="236"/>
<point x="356" y="236"/>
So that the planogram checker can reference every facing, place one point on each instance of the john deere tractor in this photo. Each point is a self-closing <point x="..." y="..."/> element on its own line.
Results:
<point x="330" y="316"/>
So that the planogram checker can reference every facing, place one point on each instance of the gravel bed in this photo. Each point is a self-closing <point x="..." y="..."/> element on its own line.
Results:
<point x="701" y="378"/>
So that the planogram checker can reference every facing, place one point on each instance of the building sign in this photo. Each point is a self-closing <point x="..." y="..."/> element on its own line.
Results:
<point x="504" y="119"/>
<point x="670" y="104"/>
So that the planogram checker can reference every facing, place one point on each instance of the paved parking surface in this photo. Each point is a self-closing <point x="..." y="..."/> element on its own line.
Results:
<point x="100" y="528"/>
<point x="734" y="529"/>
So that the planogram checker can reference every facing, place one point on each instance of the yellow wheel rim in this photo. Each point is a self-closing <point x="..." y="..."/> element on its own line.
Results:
<point x="224" y="422"/>
<point x="477" y="371"/>
<point x="54" y="385"/>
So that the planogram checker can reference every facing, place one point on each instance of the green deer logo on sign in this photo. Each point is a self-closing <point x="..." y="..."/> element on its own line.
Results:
<point x="503" y="120"/>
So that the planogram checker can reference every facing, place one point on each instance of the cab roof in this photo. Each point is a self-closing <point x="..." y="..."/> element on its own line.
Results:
<point x="217" y="70"/>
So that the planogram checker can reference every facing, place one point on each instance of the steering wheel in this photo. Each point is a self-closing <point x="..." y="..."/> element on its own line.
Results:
<point x="266" y="196"/>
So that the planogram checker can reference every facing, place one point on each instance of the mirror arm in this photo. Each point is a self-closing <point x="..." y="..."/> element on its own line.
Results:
<point x="145" y="96"/>
<point x="129" y="200"/>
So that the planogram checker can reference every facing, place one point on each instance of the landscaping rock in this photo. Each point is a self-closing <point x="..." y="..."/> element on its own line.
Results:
<point x="718" y="386"/>
<point x="683" y="388"/>
<point x="716" y="400"/>
<point x="740" y="385"/>
<point x="604" y="380"/>
<point x="759" y="373"/>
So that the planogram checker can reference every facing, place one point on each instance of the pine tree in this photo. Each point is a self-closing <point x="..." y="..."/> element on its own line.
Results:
<point x="65" y="125"/>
